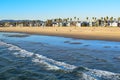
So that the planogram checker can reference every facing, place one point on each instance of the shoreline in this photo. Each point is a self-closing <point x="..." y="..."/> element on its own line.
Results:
<point x="87" y="33"/>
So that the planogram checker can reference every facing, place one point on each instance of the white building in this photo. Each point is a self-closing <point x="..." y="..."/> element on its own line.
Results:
<point x="43" y="24"/>
<point x="60" y="24"/>
<point x="91" y="24"/>
<point x="68" y="24"/>
<point x="55" y="24"/>
<point x="78" y="24"/>
<point x="114" y="24"/>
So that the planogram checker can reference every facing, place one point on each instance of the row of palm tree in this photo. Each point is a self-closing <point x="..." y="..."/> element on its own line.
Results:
<point x="74" y="20"/>
<point x="106" y="20"/>
<point x="95" y="18"/>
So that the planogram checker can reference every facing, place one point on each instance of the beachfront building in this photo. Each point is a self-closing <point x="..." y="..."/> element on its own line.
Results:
<point x="64" y="24"/>
<point x="118" y="23"/>
<point x="85" y="24"/>
<point x="60" y="24"/>
<point x="43" y="24"/>
<point x="78" y="24"/>
<point x="7" y="24"/>
<point x="114" y="24"/>
<point x="1" y="24"/>
<point x="103" y="22"/>
<point x="20" y="24"/>
<point x="49" y="23"/>
<point x="30" y="24"/>
<point x="55" y="24"/>
<point x="91" y="23"/>
<point x="68" y="24"/>
<point x="99" y="22"/>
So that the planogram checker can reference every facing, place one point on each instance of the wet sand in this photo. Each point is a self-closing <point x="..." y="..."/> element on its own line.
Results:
<point x="90" y="33"/>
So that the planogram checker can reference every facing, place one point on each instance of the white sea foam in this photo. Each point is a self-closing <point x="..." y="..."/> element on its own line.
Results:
<point x="99" y="74"/>
<point x="87" y="77"/>
<point x="47" y="62"/>
<point x="90" y="74"/>
<point x="47" y="65"/>
<point x="55" y="64"/>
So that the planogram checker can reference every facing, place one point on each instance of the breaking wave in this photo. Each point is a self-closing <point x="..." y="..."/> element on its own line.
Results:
<point x="50" y="64"/>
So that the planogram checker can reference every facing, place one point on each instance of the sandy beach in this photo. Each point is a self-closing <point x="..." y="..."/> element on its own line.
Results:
<point x="90" y="33"/>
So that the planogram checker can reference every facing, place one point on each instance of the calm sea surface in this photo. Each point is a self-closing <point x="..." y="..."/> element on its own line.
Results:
<point x="37" y="57"/>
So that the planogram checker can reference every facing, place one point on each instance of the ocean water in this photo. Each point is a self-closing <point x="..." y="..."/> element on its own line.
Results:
<point x="37" y="57"/>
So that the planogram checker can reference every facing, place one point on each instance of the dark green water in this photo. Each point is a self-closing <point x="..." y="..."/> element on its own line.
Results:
<point x="33" y="57"/>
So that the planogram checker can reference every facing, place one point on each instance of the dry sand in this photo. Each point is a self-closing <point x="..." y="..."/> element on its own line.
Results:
<point x="91" y="33"/>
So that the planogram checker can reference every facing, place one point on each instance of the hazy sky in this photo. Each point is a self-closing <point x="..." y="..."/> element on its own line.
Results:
<point x="44" y="9"/>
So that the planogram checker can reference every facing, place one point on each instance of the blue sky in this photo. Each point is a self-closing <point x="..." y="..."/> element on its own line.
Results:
<point x="48" y="9"/>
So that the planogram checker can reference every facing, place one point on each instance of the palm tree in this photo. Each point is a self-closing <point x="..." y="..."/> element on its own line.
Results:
<point x="78" y="19"/>
<point x="68" y="19"/>
<point x="102" y="21"/>
<point x="114" y="19"/>
<point x="105" y="21"/>
<point x="111" y="19"/>
<point x="95" y="18"/>
<point x="118" y="19"/>
<point x="17" y="24"/>
<point x="101" y="18"/>
<point x="59" y="21"/>
<point x="93" y="21"/>
<point x="107" y="18"/>
<point x="87" y="18"/>
<point x="75" y="18"/>
<point x="64" y="20"/>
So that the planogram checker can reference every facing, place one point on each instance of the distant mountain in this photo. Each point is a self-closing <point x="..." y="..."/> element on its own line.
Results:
<point x="17" y="20"/>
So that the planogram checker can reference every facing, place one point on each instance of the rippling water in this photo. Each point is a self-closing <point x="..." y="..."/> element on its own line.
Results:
<point x="35" y="57"/>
